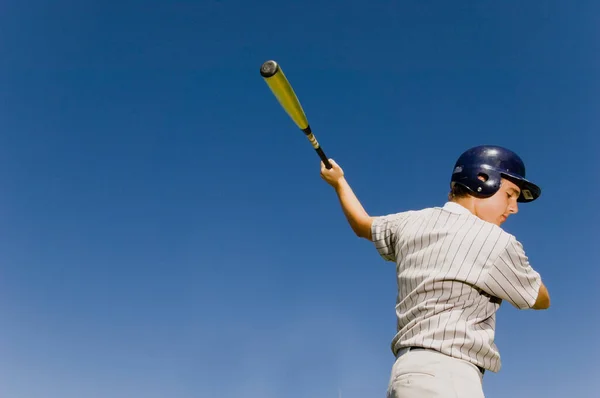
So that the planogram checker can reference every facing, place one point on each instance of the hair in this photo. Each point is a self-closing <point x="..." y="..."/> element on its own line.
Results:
<point x="458" y="191"/>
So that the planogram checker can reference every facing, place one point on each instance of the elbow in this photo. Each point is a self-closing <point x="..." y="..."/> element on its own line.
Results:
<point x="543" y="299"/>
<point x="363" y="233"/>
<point x="541" y="305"/>
<point x="362" y="229"/>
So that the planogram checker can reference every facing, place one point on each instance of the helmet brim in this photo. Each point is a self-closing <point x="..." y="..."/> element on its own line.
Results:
<point x="529" y="190"/>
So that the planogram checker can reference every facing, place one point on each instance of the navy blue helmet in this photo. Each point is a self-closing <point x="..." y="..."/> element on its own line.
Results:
<point x="491" y="163"/>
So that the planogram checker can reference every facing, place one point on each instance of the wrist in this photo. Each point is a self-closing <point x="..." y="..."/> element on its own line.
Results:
<point x="340" y="185"/>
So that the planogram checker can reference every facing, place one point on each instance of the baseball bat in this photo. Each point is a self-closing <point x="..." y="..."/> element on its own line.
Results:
<point x="283" y="91"/>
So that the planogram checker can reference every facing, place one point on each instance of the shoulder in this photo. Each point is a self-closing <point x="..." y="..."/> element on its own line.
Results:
<point x="513" y="245"/>
<point x="395" y="221"/>
<point x="405" y="214"/>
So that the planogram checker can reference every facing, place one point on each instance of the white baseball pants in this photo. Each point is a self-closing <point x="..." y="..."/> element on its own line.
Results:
<point x="429" y="374"/>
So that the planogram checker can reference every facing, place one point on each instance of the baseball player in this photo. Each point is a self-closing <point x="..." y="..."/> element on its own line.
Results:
<point x="454" y="267"/>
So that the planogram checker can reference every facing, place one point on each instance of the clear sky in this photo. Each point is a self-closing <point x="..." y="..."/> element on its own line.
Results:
<point x="164" y="228"/>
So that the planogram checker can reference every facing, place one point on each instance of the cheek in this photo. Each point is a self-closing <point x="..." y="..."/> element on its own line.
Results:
<point x="493" y="207"/>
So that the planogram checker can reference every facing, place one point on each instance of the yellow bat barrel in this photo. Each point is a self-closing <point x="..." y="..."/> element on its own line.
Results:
<point x="283" y="91"/>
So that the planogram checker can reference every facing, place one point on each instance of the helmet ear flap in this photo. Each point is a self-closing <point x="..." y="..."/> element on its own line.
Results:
<point x="483" y="176"/>
<point x="483" y="183"/>
<point x="490" y="182"/>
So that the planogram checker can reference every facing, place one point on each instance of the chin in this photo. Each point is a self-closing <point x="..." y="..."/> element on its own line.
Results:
<point x="497" y="222"/>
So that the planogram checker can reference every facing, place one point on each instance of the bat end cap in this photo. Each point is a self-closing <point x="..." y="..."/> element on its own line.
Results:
<point x="269" y="69"/>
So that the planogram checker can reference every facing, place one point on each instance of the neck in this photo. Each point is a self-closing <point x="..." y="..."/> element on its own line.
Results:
<point x="466" y="202"/>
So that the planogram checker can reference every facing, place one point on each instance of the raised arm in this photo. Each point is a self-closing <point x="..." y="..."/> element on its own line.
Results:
<point x="357" y="217"/>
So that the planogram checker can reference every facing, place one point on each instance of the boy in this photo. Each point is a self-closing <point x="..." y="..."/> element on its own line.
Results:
<point x="454" y="266"/>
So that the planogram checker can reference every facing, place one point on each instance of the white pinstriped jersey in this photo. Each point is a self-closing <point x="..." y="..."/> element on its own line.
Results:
<point x="453" y="271"/>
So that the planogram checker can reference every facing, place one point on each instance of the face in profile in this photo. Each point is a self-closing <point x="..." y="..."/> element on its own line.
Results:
<point x="497" y="208"/>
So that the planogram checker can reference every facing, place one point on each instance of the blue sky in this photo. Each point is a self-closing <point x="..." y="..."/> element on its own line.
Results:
<point x="164" y="228"/>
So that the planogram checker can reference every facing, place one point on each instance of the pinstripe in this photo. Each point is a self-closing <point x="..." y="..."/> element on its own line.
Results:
<point x="524" y="265"/>
<point x="453" y="271"/>
<point x="472" y="242"/>
<point x="410" y="271"/>
<point x="444" y="285"/>
<point x="404" y="282"/>
<point x="508" y="279"/>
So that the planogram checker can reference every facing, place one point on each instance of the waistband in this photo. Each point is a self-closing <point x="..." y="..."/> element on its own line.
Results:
<point x="405" y="350"/>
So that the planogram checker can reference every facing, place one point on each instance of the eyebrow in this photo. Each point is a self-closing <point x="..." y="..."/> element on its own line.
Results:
<point x="514" y="190"/>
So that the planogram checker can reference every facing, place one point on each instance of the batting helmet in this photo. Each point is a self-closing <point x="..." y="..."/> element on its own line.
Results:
<point x="481" y="168"/>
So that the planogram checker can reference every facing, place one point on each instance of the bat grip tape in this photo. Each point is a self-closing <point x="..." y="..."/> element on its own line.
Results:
<point x="317" y="147"/>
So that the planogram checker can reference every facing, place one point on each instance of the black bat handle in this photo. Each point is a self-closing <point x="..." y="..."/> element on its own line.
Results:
<point x="323" y="157"/>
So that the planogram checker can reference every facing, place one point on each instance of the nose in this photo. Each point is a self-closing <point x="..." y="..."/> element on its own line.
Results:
<point x="513" y="208"/>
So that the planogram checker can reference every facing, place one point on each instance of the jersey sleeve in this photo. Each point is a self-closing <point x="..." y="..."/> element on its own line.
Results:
<point x="512" y="278"/>
<point x="384" y="231"/>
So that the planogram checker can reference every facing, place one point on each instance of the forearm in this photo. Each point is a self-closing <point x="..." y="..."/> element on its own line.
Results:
<point x="357" y="217"/>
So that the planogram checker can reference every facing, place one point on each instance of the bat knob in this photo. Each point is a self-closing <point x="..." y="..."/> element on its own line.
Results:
<point x="269" y="69"/>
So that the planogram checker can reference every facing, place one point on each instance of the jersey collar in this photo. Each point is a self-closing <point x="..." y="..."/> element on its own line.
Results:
<point x="454" y="207"/>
